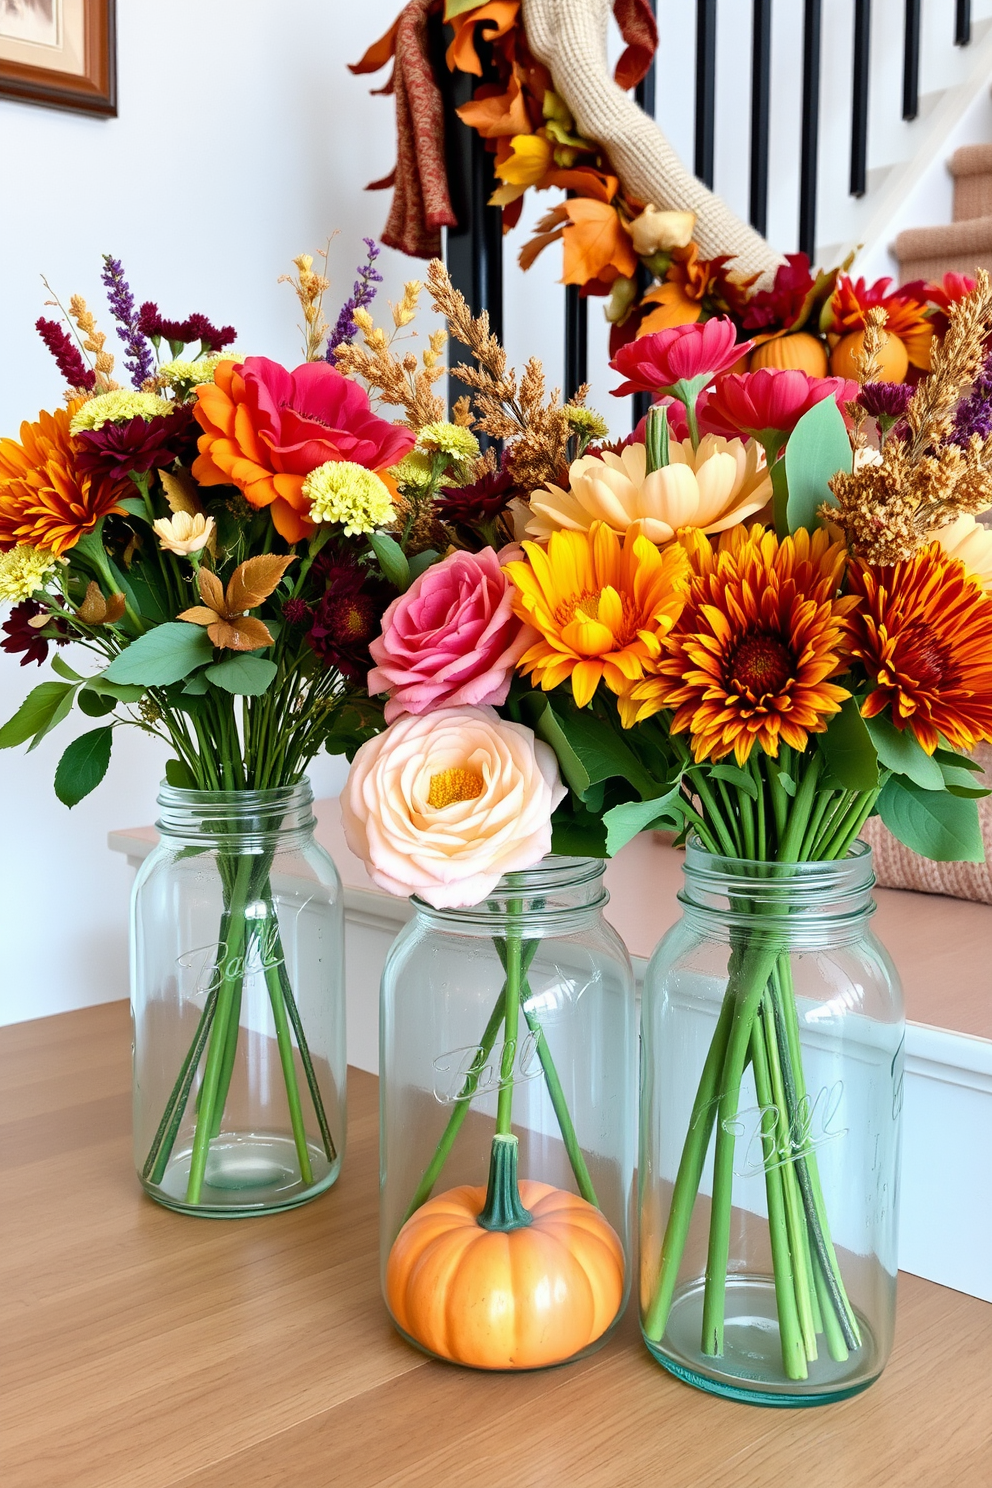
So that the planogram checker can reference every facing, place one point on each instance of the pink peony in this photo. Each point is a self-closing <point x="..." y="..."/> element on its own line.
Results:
<point x="678" y="354"/>
<point x="768" y="404"/>
<point x="443" y="805"/>
<point x="452" y="638"/>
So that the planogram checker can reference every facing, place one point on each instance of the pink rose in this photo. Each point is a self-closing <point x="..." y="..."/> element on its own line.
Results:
<point x="451" y="638"/>
<point x="443" y="805"/>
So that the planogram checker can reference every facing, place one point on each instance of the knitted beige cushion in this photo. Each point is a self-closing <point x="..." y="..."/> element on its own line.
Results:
<point x="569" y="37"/>
<point x="896" y="867"/>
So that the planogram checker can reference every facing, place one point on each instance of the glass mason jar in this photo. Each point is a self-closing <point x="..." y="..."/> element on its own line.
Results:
<point x="771" y="1088"/>
<point x="237" y="1000"/>
<point x="508" y="1106"/>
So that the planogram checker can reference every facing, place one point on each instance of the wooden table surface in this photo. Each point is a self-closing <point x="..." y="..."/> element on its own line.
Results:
<point x="142" y="1349"/>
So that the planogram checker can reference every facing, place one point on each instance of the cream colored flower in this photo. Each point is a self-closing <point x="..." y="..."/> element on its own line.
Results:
<point x="657" y="231"/>
<point x="968" y="540"/>
<point x="442" y="804"/>
<point x="23" y="570"/>
<point x="118" y="407"/>
<point x="184" y="533"/>
<point x="712" y="488"/>
<point x="341" y="491"/>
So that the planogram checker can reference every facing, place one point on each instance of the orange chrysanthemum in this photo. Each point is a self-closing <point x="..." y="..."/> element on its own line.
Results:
<point x="750" y="660"/>
<point x="44" y="499"/>
<point x="906" y="316"/>
<point x="601" y="609"/>
<point x="924" y="633"/>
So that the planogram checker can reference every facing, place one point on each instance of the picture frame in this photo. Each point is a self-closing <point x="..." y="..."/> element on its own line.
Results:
<point x="60" y="54"/>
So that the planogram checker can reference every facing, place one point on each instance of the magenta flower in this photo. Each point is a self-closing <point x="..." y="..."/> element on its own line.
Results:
<point x="768" y="404"/>
<point x="452" y="639"/>
<point x="683" y="354"/>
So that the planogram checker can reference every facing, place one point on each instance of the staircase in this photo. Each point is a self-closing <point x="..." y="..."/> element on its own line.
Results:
<point x="965" y="244"/>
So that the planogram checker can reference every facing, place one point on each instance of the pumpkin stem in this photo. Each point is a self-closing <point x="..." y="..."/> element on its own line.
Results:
<point x="503" y="1209"/>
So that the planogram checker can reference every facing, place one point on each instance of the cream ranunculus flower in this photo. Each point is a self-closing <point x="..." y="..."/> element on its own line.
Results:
<point x="712" y="488"/>
<point x="443" y="804"/>
<point x="184" y="533"/>
<point x="968" y="540"/>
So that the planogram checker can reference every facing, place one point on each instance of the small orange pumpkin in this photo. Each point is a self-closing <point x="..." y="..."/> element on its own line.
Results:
<point x="509" y="1277"/>
<point x="800" y="351"/>
<point x="893" y="357"/>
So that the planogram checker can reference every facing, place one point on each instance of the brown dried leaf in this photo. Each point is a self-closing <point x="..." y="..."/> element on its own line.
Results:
<point x="115" y="609"/>
<point x="93" y="610"/>
<point x="211" y="590"/>
<point x="199" y="615"/>
<point x="253" y="581"/>
<point x="243" y="634"/>
<point x="181" y="492"/>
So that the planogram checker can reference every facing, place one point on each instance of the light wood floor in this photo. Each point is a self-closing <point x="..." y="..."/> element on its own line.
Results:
<point x="141" y="1349"/>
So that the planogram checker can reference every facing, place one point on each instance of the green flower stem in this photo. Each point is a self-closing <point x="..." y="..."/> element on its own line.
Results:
<point x="798" y="821"/>
<point x="462" y="1103"/>
<point x="779" y="795"/>
<point x="689" y="1174"/>
<point x="161" y="1149"/>
<point x="285" y="1042"/>
<point x="558" y="1103"/>
<point x="715" y="815"/>
<point x="227" y="1065"/>
<point x="229" y="986"/>
<point x="795" y="1218"/>
<point x="294" y="1017"/>
<point x="828" y="802"/>
<point x="838" y="1349"/>
<point x="790" y="1330"/>
<point x="756" y="967"/>
<point x="514" y="978"/>
<point x="841" y="838"/>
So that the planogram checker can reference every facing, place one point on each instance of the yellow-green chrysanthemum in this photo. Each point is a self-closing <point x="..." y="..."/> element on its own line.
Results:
<point x="23" y="570"/>
<point x="340" y="491"/>
<point x="117" y="407"/>
<point x="448" y="439"/>
<point x="413" y="473"/>
<point x="183" y="373"/>
<point x="587" y="422"/>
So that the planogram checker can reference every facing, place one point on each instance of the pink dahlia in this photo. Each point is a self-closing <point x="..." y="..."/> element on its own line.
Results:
<point x="768" y="404"/>
<point x="682" y="353"/>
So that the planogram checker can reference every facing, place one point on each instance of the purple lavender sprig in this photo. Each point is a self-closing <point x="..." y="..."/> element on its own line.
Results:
<point x="66" y="354"/>
<point x="139" y="360"/>
<point x="362" y="294"/>
<point x="974" y="413"/>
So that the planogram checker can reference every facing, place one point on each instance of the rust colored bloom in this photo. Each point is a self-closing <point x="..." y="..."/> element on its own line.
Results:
<point x="679" y="301"/>
<point x="760" y="637"/>
<point x="225" y="614"/>
<point x="265" y="429"/>
<point x="923" y="631"/>
<point x="906" y="316"/>
<point x="45" y="498"/>
<point x="600" y="609"/>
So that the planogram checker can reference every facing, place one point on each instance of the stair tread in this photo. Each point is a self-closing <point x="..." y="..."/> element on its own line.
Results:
<point x="971" y="160"/>
<point x="971" y="235"/>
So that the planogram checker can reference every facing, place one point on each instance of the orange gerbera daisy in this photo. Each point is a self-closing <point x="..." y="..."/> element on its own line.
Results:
<point x="924" y="633"/>
<point x="44" y="499"/>
<point x="750" y="659"/>
<point x="601" y="609"/>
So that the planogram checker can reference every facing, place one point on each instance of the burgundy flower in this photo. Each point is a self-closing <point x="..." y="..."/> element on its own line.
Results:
<point x="20" y="636"/>
<point x="347" y="618"/>
<point x="780" y="305"/>
<point x="482" y="501"/>
<point x="297" y="612"/>
<point x="181" y="333"/>
<point x="886" y="400"/>
<point x="140" y="445"/>
<point x="66" y="354"/>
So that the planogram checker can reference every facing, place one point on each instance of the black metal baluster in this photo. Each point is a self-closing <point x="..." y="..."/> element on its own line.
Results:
<point x="812" y="32"/>
<point x="859" y="101"/>
<point x="474" y="249"/>
<point x="911" y="61"/>
<point x="645" y="95"/>
<point x="576" y="339"/>
<point x="962" y="23"/>
<point x="705" y="89"/>
<point x="761" y="71"/>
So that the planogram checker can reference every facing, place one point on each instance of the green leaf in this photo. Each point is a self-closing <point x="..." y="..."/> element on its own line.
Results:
<point x="62" y="669"/>
<point x="422" y="562"/>
<point x="847" y="747"/>
<point x="787" y="783"/>
<point x="40" y="711"/>
<point x="733" y="775"/>
<point x="197" y="685"/>
<point x="624" y="822"/>
<point x="147" y="601"/>
<point x="547" y="726"/>
<point x="83" y="765"/>
<point x="454" y="8"/>
<point x="900" y="751"/>
<point x="242" y="673"/>
<point x="817" y="449"/>
<point x="135" y="507"/>
<point x="957" y="761"/>
<point x="95" y="704"/>
<point x="960" y="781"/>
<point x="933" y="823"/>
<point x="179" y="774"/>
<point x="123" y="692"/>
<point x="577" y="833"/>
<point x="392" y="559"/>
<point x="163" y="655"/>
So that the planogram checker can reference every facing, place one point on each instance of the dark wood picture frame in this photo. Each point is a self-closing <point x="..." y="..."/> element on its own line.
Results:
<point x="91" y="91"/>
